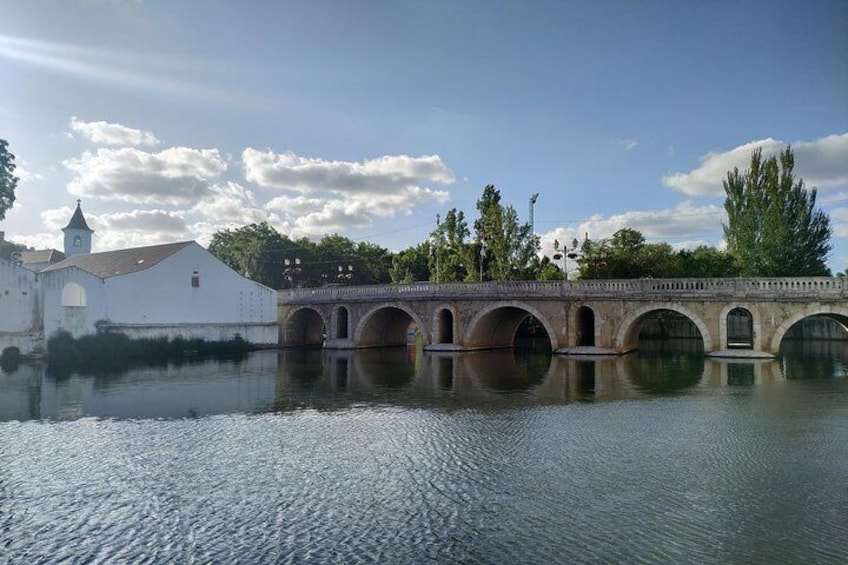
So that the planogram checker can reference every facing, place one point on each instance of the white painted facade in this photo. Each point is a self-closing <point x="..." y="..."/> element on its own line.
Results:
<point x="189" y="293"/>
<point x="20" y="308"/>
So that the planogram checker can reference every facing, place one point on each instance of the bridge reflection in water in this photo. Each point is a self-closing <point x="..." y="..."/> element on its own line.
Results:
<point x="400" y="376"/>
<point x="312" y="378"/>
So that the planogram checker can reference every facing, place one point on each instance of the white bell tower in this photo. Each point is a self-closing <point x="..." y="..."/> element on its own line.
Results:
<point x="77" y="234"/>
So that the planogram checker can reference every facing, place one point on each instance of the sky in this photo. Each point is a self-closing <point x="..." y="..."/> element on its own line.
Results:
<point x="171" y="121"/>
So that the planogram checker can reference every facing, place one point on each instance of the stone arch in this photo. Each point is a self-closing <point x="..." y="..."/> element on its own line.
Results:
<point x="755" y="318"/>
<point x="303" y="326"/>
<point x="495" y="325"/>
<point x="585" y="324"/>
<point x="444" y="325"/>
<point x="385" y="325"/>
<point x="839" y="314"/>
<point x="625" y="339"/>
<point x="73" y="295"/>
<point x="342" y="329"/>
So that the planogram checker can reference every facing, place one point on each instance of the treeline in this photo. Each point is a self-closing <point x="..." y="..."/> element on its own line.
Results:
<point x="773" y="229"/>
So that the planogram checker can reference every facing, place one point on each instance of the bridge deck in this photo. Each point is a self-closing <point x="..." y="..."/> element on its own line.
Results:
<point x="826" y="288"/>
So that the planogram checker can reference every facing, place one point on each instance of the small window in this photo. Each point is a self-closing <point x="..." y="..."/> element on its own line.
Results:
<point x="195" y="279"/>
<point x="77" y="241"/>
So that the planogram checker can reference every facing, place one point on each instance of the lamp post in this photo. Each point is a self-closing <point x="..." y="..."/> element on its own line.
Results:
<point x="345" y="275"/>
<point x="482" y="252"/>
<point x="532" y="205"/>
<point x="565" y="255"/>
<point x="292" y="269"/>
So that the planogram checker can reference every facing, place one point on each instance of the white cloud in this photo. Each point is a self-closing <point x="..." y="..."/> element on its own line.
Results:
<point x="231" y="204"/>
<point x="333" y="196"/>
<point x="822" y="163"/>
<point x="112" y="134"/>
<point x="119" y="230"/>
<point x="317" y="217"/>
<point x="172" y="223"/>
<point x="686" y="223"/>
<point x="175" y="176"/>
<point x="386" y="175"/>
<point x="628" y="144"/>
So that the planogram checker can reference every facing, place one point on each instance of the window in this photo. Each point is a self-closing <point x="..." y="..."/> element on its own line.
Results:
<point x="77" y="241"/>
<point x="73" y="295"/>
<point x="195" y="279"/>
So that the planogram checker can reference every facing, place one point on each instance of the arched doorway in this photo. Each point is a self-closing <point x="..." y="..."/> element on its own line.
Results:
<point x="585" y="327"/>
<point x="740" y="329"/>
<point x="342" y="318"/>
<point x="445" y="331"/>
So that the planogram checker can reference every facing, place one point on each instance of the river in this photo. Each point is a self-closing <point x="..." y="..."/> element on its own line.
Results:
<point x="396" y="456"/>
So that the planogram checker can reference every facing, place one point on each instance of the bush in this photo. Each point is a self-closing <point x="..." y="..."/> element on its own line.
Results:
<point x="105" y="353"/>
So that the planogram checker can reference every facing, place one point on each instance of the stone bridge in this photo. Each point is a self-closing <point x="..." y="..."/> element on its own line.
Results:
<point x="735" y="317"/>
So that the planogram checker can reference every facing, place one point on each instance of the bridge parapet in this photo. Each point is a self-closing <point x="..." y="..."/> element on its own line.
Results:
<point x="630" y="289"/>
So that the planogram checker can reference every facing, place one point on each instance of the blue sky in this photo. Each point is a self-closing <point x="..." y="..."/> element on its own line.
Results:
<point x="172" y="120"/>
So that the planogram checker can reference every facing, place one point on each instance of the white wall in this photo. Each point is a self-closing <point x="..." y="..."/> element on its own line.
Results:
<point x="77" y="320"/>
<point x="163" y="297"/>
<point x="163" y="294"/>
<point x="20" y="309"/>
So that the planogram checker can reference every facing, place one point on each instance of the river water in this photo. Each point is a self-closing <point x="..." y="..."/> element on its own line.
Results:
<point x="396" y="456"/>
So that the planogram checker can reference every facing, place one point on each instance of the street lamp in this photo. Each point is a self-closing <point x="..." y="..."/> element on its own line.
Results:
<point x="292" y="269"/>
<point x="565" y="255"/>
<point x="345" y="275"/>
<point x="482" y="252"/>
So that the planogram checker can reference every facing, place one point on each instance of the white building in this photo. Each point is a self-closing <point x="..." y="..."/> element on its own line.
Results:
<point x="170" y="290"/>
<point x="20" y="308"/>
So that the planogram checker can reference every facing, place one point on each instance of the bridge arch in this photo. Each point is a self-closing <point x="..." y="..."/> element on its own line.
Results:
<point x="444" y="324"/>
<point x="342" y="316"/>
<point x="304" y="326"/>
<point x="725" y="337"/>
<point x="386" y="325"/>
<point x="627" y="336"/>
<point x="838" y="314"/>
<point x="494" y="326"/>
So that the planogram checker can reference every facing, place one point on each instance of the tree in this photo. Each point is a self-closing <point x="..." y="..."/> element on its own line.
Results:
<point x="626" y="255"/>
<point x="256" y="251"/>
<point x="452" y="258"/>
<point x="511" y="248"/>
<point x="8" y="180"/>
<point x="411" y="264"/>
<point x="773" y="228"/>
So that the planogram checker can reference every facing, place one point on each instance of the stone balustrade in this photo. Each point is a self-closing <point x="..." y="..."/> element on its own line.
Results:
<point x="829" y="288"/>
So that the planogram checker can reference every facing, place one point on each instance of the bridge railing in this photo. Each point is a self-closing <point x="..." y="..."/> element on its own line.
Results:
<point x="624" y="289"/>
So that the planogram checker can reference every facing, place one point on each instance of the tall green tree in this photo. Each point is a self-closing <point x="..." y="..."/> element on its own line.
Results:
<point x="773" y="228"/>
<point x="8" y="180"/>
<point x="511" y="247"/>
<point x="452" y="257"/>
<point x="256" y="251"/>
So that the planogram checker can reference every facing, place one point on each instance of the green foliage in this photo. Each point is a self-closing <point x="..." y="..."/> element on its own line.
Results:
<point x="411" y="264"/>
<point x="106" y="353"/>
<point x="773" y="228"/>
<point x="452" y="256"/>
<point x="8" y="180"/>
<point x="510" y="247"/>
<point x="261" y="253"/>
<point x="627" y="256"/>
<point x="7" y="248"/>
<point x="256" y="251"/>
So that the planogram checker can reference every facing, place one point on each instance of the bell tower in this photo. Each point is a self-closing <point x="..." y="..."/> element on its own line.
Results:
<point x="77" y="234"/>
